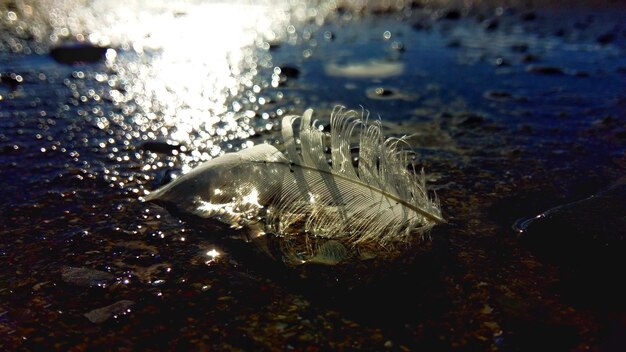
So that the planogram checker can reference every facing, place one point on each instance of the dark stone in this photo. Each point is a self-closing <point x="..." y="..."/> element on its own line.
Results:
<point x="545" y="70"/>
<point x="11" y="149"/>
<point x="342" y="10"/>
<point x="384" y="92"/>
<point x="582" y="74"/>
<point x="290" y="71"/>
<point x="500" y="62"/>
<point x="609" y="120"/>
<point x="383" y="10"/>
<point x="606" y="38"/>
<point x="416" y="4"/>
<point x="420" y="26"/>
<point x="162" y="178"/>
<point x="530" y="58"/>
<point x="498" y="95"/>
<point x="275" y="45"/>
<point x="161" y="147"/>
<point x="529" y="16"/>
<point x="12" y="80"/>
<point x="398" y="46"/>
<point x="454" y="43"/>
<point x="452" y="14"/>
<point x="78" y="53"/>
<point x="471" y="120"/>
<point x="491" y="25"/>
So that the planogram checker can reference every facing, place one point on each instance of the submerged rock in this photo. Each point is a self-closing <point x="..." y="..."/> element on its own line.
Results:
<point x="100" y="315"/>
<point x="85" y="276"/>
<point x="330" y="253"/>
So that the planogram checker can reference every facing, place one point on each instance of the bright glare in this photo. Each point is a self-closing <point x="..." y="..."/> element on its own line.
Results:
<point x="213" y="254"/>
<point x="252" y="198"/>
<point x="185" y="71"/>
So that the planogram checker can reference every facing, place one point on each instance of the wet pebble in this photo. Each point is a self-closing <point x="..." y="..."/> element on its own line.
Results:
<point x="85" y="276"/>
<point x="607" y="121"/>
<point x="381" y="92"/>
<point x="451" y="14"/>
<point x="500" y="62"/>
<point x="12" y="80"/>
<point x="454" y="43"/>
<point x="530" y="58"/>
<point x="386" y="93"/>
<point x="290" y="71"/>
<point x="100" y="315"/>
<point x="528" y="16"/>
<point x="491" y="25"/>
<point x="470" y="120"/>
<point x="274" y="45"/>
<point x="11" y="149"/>
<point x="580" y="73"/>
<point x="397" y="46"/>
<point x="421" y="26"/>
<point x="78" y="53"/>
<point x="161" y="147"/>
<point x="606" y="38"/>
<point x="545" y="70"/>
<point x="498" y="95"/>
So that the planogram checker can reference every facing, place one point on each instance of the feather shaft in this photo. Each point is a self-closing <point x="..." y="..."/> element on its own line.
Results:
<point x="431" y="217"/>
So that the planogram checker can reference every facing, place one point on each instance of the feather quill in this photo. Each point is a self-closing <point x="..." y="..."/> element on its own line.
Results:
<point x="299" y="191"/>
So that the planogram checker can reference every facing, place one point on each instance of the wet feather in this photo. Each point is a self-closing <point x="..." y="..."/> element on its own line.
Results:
<point x="299" y="190"/>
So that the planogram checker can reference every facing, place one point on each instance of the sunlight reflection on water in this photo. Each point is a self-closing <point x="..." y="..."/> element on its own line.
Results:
<point x="187" y="72"/>
<point x="199" y="62"/>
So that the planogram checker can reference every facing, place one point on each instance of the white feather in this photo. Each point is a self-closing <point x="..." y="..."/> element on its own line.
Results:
<point x="297" y="192"/>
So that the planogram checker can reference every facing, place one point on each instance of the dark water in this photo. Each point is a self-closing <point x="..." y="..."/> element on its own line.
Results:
<point x="514" y="110"/>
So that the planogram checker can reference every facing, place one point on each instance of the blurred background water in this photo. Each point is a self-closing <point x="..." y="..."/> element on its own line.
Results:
<point x="515" y="107"/>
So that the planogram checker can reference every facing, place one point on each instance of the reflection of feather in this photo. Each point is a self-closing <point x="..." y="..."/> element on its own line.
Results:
<point x="301" y="191"/>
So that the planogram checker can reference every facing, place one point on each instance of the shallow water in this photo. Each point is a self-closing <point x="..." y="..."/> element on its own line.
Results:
<point x="514" y="110"/>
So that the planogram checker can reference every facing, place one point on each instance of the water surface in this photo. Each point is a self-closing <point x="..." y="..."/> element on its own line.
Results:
<point x="513" y="109"/>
